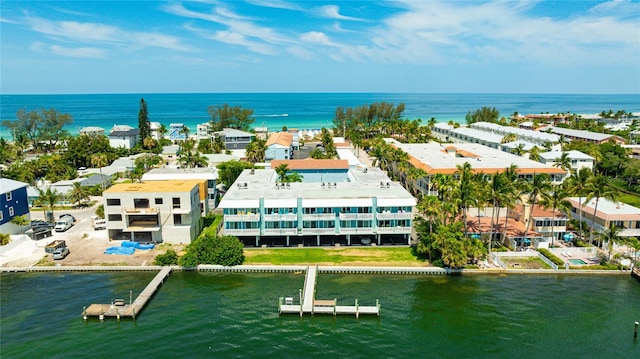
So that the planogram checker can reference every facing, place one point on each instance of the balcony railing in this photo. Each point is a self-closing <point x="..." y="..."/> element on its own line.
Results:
<point x="317" y="216"/>
<point x="361" y="230"/>
<point x="280" y="217"/>
<point x="347" y="216"/>
<point x="318" y="230"/>
<point x="242" y="217"/>
<point x="393" y="230"/>
<point x="280" y="231"/>
<point x="397" y="215"/>
<point x="131" y="211"/>
<point x="242" y="232"/>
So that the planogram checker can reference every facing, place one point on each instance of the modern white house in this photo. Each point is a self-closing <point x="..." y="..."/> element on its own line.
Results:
<point x="587" y="136"/>
<point x="207" y="177"/>
<point x="176" y="132"/>
<point x="279" y="146"/>
<point x="123" y="136"/>
<point x="578" y="159"/>
<point x="203" y="131"/>
<point x="332" y="206"/>
<point x="155" y="211"/>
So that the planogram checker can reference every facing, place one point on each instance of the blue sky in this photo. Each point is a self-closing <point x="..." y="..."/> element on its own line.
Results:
<point x="316" y="46"/>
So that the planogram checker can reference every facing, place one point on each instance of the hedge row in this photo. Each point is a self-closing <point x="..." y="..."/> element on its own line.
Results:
<point x="545" y="252"/>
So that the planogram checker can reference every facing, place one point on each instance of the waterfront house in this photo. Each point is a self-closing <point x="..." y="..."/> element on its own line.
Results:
<point x="548" y="227"/>
<point x="207" y="178"/>
<point x="177" y="132"/>
<point x="123" y="136"/>
<point x="279" y="146"/>
<point x="155" y="211"/>
<point x="341" y="207"/>
<point x="92" y="131"/>
<point x="13" y="203"/>
<point x="203" y="131"/>
<point x="154" y="128"/>
<point x="622" y="215"/>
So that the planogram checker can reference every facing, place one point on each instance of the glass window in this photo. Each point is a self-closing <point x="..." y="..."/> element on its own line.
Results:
<point x="113" y="201"/>
<point x="11" y="213"/>
<point x="176" y="202"/>
<point x="9" y="196"/>
<point x="114" y="217"/>
<point x="158" y="201"/>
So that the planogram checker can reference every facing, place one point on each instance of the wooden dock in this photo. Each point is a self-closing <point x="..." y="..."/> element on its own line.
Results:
<point x="119" y="309"/>
<point x="307" y="302"/>
<point x="635" y="272"/>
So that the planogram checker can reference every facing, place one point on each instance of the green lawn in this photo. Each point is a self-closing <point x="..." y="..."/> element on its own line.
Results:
<point x="374" y="256"/>
<point x="525" y="263"/>
<point x="629" y="199"/>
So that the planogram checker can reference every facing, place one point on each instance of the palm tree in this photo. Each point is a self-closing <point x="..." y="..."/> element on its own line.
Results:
<point x="498" y="191"/>
<point x="20" y="221"/>
<point x="466" y="190"/>
<point x="598" y="187"/>
<point x="563" y="162"/>
<point x="218" y="145"/>
<point x="281" y="171"/>
<point x="534" y="153"/>
<point x="611" y="236"/>
<point x="578" y="182"/>
<point x="78" y="193"/>
<point x="50" y="198"/>
<point x="519" y="150"/>
<point x="100" y="160"/>
<point x="256" y="150"/>
<point x="556" y="200"/>
<point x="512" y="178"/>
<point x="541" y="183"/>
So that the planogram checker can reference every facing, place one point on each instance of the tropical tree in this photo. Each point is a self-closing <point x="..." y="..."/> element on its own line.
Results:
<point x="563" y="162"/>
<point x="556" y="199"/>
<point x="49" y="198"/>
<point x="500" y="192"/>
<point x="281" y="171"/>
<point x="229" y="171"/>
<point x="256" y="150"/>
<point x="143" y="122"/>
<point x="611" y="236"/>
<point x="598" y="187"/>
<point x="534" y="153"/>
<point x="100" y="160"/>
<point x="519" y="150"/>
<point x="484" y="114"/>
<point x="79" y="194"/>
<point x="509" y="138"/>
<point x="577" y="183"/>
<point x="465" y="189"/>
<point x="20" y="221"/>
<point x="540" y="183"/>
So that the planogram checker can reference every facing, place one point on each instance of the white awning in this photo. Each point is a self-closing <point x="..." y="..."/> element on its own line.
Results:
<point x="402" y="202"/>
<point x="239" y="203"/>
<point x="280" y="202"/>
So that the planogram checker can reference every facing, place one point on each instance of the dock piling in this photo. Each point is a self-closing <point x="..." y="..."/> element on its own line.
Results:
<point x="635" y="330"/>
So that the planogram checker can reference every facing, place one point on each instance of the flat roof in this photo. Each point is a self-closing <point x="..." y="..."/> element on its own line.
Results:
<point x="181" y="173"/>
<point x="155" y="186"/>
<point x="608" y="209"/>
<point x="253" y="185"/>
<point x="520" y="132"/>
<point x="573" y="154"/>
<point x="595" y="136"/>
<point x="433" y="158"/>
<point x="312" y="164"/>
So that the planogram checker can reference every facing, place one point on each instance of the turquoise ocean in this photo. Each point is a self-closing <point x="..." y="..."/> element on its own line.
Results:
<point x="227" y="315"/>
<point x="297" y="110"/>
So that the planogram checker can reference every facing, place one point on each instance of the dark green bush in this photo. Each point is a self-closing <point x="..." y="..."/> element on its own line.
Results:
<point x="545" y="252"/>
<point x="211" y="249"/>
<point x="168" y="258"/>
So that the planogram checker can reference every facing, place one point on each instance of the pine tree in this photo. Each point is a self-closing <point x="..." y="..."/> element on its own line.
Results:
<point x="143" y="121"/>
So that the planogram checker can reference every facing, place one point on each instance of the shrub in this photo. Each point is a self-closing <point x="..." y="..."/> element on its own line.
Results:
<point x="4" y="239"/>
<point x="545" y="252"/>
<point x="211" y="249"/>
<point x="170" y="257"/>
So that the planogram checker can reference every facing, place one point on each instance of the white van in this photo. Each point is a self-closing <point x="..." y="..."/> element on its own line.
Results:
<point x="63" y="224"/>
<point x="99" y="224"/>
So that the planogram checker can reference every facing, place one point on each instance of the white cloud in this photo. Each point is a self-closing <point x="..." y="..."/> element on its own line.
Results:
<point x="81" y="52"/>
<point x="276" y="4"/>
<point x="317" y="37"/>
<point x="92" y="32"/>
<point x="333" y="12"/>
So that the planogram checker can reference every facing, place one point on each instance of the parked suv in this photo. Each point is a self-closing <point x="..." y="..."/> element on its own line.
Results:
<point x="68" y="215"/>
<point x="60" y="253"/>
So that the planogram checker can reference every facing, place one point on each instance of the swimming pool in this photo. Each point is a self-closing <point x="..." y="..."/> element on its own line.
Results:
<point x="577" y="261"/>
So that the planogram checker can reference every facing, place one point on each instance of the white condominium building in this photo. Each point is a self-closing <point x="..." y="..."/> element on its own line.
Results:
<point x="334" y="205"/>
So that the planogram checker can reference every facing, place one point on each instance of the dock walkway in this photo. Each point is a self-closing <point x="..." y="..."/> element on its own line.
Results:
<point x="310" y="305"/>
<point x="118" y="309"/>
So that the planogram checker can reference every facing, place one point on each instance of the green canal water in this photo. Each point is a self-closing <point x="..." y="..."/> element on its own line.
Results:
<point x="222" y="315"/>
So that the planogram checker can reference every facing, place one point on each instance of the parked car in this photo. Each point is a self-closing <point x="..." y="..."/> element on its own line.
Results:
<point x="68" y="215"/>
<point x="100" y="224"/>
<point x="63" y="224"/>
<point x="38" y="225"/>
<point x="60" y="253"/>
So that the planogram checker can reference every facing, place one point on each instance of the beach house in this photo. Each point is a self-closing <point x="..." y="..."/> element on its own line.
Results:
<point x="207" y="178"/>
<point x="608" y="213"/>
<point x="334" y="205"/>
<point x="279" y="146"/>
<point x="235" y="139"/>
<point x="13" y="203"/>
<point x="123" y="136"/>
<point x="154" y="211"/>
<point x="578" y="159"/>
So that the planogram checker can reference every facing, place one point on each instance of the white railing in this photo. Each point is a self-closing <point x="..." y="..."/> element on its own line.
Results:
<point x="281" y="217"/>
<point x="141" y="211"/>
<point x="241" y="217"/>
<point x="393" y="229"/>
<point x="318" y="230"/>
<point x="363" y="230"/>
<point x="280" y="231"/>
<point x="356" y="216"/>
<point x="317" y="216"/>
<point x="402" y="215"/>
<point x="242" y="232"/>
